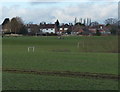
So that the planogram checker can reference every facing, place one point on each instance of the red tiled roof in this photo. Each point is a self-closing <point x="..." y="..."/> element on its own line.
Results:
<point x="80" y="30"/>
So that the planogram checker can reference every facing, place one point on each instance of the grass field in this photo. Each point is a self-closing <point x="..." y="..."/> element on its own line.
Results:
<point x="41" y="82"/>
<point x="94" y="55"/>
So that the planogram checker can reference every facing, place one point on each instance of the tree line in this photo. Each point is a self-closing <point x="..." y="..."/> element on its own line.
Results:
<point x="17" y="26"/>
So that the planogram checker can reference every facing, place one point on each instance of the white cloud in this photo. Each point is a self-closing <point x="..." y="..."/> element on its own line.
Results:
<point x="65" y="13"/>
<point x="59" y="0"/>
<point x="97" y="12"/>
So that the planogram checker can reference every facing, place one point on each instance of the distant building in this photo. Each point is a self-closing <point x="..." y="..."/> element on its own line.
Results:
<point x="47" y="28"/>
<point x="63" y="28"/>
<point x="60" y="29"/>
<point x="32" y="29"/>
<point x="55" y="28"/>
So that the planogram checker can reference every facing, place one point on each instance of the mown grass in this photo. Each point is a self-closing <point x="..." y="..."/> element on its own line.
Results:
<point x="79" y="62"/>
<point x="60" y="54"/>
<point x="95" y="55"/>
<point x="41" y="82"/>
<point x="87" y="44"/>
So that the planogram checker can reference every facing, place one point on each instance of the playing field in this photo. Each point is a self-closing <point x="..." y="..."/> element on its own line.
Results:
<point x="72" y="63"/>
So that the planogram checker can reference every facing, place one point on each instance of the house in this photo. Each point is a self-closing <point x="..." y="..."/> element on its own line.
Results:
<point x="101" y="28"/>
<point x="47" y="28"/>
<point x="53" y="28"/>
<point x="44" y="28"/>
<point x="93" y="30"/>
<point x="78" y="32"/>
<point x="104" y="30"/>
<point x="86" y="32"/>
<point x="60" y="29"/>
<point x="32" y="29"/>
<point x="63" y="29"/>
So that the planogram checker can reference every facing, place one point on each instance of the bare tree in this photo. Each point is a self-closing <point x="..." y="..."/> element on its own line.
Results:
<point x="110" y="21"/>
<point x="16" y="24"/>
<point x="113" y="25"/>
<point x="94" y="24"/>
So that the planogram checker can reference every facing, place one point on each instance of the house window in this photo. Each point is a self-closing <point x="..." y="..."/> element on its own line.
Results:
<point x="60" y="28"/>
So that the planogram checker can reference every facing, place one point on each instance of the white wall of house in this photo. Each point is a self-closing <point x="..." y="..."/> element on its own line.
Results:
<point x="49" y="30"/>
<point x="65" y="28"/>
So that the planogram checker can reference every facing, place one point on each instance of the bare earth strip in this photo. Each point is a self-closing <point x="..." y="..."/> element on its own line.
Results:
<point x="66" y="74"/>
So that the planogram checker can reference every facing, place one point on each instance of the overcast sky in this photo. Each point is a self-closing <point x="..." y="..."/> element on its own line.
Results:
<point x="65" y="11"/>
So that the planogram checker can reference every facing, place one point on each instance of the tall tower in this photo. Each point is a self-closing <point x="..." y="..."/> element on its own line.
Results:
<point x="87" y="21"/>
<point x="80" y="20"/>
<point x="90" y="22"/>
<point x="84" y="21"/>
<point x="75" y="21"/>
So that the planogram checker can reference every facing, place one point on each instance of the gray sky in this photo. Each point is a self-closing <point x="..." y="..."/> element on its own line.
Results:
<point x="65" y="11"/>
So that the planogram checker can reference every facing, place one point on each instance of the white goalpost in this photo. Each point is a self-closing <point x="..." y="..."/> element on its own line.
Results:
<point x="78" y="44"/>
<point x="31" y="48"/>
